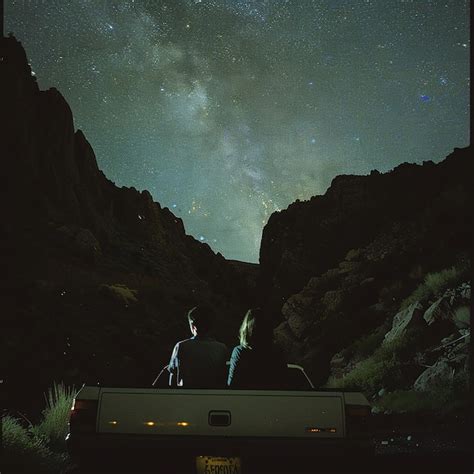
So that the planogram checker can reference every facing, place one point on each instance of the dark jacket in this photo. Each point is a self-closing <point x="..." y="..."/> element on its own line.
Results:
<point x="199" y="362"/>
<point x="260" y="368"/>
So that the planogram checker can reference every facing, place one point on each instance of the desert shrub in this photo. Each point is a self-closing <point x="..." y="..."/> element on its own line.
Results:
<point x="404" y="346"/>
<point x="444" y="399"/>
<point x="25" y="451"/>
<point x="408" y="401"/>
<point x="332" y="300"/>
<point x="54" y="425"/>
<point x="387" y="367"/>
<point x="435" y="284"/>
<point x="41" y="447"/>
<point x="367" y="344"/>
<point x="120" y="293"/>
<point x="368" y="376"/>
<point x="353" y="254"/>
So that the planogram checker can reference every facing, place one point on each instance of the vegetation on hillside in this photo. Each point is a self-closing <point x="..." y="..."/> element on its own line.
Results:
<point x="41" y="447"/>
<point x="436" y="283"/>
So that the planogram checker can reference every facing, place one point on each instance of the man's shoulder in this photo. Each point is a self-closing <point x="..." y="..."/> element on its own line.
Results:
<point x="184" y="342"/>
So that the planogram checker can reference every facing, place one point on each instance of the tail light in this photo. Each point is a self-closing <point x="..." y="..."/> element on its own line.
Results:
<point x="83" y="416"/>
<point x="358" y="420"/>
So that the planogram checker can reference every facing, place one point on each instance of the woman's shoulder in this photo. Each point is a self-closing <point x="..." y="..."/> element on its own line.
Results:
<point x="240" y="351"/>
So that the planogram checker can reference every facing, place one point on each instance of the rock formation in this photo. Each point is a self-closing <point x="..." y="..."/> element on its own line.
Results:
<point x="334" y="268"/>
<point x="425" y="203"/>
<point x="99" y="277"/>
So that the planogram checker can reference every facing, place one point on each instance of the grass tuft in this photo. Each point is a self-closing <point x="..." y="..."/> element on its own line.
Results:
<point x="384" y="368"/>
<point x="435" y="284"/>
<point x="25" y="451"/>
<point x="54" y="425"/>
<point x="444" y="399"/>
<point x="41" y="447"/>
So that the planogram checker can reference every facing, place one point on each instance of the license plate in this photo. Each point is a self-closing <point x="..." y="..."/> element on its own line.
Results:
<point x="216" y="465"/>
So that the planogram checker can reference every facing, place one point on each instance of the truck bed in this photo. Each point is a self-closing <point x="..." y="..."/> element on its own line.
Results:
<point x="222" y="413"/>
<point x="180" y="428"/>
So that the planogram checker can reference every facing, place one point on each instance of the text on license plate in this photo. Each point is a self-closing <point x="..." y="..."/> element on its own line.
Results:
<point x="217" y="465"/>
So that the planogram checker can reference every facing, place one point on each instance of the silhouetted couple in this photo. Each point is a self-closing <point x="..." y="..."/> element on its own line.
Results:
<point x="201" y="361"/>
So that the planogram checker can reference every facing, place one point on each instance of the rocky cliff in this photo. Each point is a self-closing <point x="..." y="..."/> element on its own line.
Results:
<point x="336" y="269"/>
<point x="428" y="201"/>
<point x="99" y="277"/>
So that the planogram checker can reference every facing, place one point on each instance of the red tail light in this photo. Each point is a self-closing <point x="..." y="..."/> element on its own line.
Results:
<point x="83" y="416"/>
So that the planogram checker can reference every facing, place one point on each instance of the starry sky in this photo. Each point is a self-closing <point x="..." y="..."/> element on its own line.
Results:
<point x="229" y="110"/>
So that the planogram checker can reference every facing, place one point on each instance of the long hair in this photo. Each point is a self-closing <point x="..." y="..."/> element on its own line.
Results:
<point x="254" y="330"/>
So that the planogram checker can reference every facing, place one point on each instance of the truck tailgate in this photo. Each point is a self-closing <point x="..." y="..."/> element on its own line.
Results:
<point x="222" y="413"/>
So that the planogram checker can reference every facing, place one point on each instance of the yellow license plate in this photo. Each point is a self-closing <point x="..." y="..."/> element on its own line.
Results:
<point x="215" y="465"/>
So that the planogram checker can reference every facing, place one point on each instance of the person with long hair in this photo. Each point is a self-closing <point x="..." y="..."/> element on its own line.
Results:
<point x="256" y="363"/>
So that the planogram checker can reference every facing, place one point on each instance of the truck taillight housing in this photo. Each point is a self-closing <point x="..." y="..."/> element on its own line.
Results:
<point x="358" y="420"/>
<point x="83" y="416"/>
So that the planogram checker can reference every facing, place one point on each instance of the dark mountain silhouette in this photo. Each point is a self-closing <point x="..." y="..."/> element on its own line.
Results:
<point x="310" y="237"/>
<point x="337" y="267"/>
<point x="99" y="277"/>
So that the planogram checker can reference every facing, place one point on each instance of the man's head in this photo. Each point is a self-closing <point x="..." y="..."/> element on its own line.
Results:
<point x="200" y="319"/>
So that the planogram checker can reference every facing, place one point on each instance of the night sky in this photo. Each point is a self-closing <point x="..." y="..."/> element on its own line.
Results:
<point x="227" y="110"/>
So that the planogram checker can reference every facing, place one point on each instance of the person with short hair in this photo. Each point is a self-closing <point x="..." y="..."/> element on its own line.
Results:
<point x="200" y="361"/>
<point x="256" y="363"/>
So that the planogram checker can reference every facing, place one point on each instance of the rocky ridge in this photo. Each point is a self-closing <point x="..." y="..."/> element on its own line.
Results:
<point x="99" y="277"/>
<point x="411" y="203"/>
<point x="336" y="269"/>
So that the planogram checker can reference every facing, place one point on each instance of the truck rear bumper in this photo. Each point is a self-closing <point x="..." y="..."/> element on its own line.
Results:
<point x="180" y="452"/>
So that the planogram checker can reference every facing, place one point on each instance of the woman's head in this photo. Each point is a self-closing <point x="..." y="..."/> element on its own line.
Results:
<point x="255" y="329"/>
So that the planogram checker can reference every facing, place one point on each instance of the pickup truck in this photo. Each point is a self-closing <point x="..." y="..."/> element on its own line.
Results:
<point x="218" y="431"/>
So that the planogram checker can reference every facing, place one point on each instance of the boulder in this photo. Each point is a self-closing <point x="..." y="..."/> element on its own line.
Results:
<point x="440" y="374"/>
<point x="293" y="311"/>
<point x="284" y="338"/>
<point x="462" y="317"/>
<point x="86" y="244"/>
<point x="333" y="300"/>
<point x="403" y="320"/>
<point x="80" y="241"/>
<point x="337" y="366"/>
<point x="338" y="361"/>
<point x="440" y="310"/>
<point x="465" y="291"/>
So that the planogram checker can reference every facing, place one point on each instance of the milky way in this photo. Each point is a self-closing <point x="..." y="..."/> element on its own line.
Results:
<point x="228" y="110"/>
